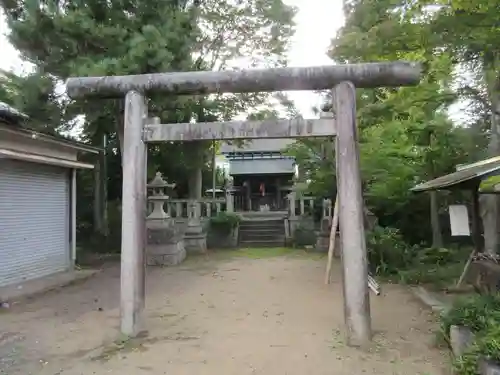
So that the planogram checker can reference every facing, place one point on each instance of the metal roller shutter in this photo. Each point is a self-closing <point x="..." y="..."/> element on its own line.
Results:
<point x="34" y="221"/>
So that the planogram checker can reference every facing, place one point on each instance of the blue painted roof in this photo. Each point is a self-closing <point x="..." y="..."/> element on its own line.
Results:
<point x="262" y="166"/>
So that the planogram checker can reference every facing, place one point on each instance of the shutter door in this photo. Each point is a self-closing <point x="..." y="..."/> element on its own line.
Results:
<point x="34" y="221"/>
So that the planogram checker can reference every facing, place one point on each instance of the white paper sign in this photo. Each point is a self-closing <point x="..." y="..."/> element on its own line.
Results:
<point x="459" y="220"/>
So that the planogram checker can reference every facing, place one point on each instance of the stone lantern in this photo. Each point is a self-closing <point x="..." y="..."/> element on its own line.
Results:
<point x="158" y="197"/>
<point x="165" y="243"/>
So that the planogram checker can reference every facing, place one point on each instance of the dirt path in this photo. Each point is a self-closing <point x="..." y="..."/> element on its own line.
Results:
<point x="239" y="316"/>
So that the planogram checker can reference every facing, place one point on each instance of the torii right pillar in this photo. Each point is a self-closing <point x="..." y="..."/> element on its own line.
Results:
<point x="351" y="223"/>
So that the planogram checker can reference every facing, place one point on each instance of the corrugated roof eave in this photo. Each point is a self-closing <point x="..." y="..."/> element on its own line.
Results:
<point x="461" y="177"/>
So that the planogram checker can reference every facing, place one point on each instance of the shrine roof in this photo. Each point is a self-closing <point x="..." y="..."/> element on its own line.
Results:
<point x="466" y="177"/>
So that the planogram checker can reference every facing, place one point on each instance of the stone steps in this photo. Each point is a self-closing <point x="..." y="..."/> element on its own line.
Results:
<point x="262" y="243"/>
<point x="262" y="233"/>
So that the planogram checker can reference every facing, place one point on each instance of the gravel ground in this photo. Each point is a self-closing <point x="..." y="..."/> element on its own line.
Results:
<point x="213" y="316"/>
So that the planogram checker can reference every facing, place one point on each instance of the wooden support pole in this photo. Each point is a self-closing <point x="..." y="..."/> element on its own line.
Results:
<point x="97" y="208"/>
<point x="214" y="168"/>
<point x="133" y="215"/>
<point x="331" y="244"/>
<point x="352" y="232"/>
<point x="365" y="75"/>
<point x="104" y="176"/>
<point x="476" y="234"/>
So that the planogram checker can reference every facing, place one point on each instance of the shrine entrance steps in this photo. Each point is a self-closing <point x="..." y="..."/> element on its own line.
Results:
<point x="262" y="229"/>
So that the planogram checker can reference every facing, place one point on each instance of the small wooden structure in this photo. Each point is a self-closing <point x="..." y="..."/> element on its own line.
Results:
<point x="478" y="270"/>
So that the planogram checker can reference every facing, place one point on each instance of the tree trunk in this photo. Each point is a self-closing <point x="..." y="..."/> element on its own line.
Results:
<point x="196" y="174"/>
<point x="98" y="208"/>
<point x="489" y="203"/>
<point x="437" y="235"/>
<point x="120" y="125"/>
<point x="195" y="183"/>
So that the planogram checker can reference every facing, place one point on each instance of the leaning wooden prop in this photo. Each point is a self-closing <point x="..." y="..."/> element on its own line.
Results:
<point x="372" y="283"/>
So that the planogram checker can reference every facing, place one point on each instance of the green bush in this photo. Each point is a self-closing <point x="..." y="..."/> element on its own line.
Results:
<point x="387" y="251"/>
<point x="436" y="256"/>
<point x="477" y="313"/>
<point x="438" y="276"/>
<point x="481" y="314"/>
<point x="486" y="346"/>
<point x="224" y="223"/>
<point x="91" y="242"/>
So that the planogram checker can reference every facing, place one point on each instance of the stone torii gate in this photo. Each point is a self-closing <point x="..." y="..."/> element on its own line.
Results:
<point x="139" y="130"/>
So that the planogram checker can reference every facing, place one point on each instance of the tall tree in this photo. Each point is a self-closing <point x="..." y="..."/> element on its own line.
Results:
<point x="469" y="30"/>
<point x="34" y="95"/>
<point x="405" y="135"/>
<point x="97" y="37"/>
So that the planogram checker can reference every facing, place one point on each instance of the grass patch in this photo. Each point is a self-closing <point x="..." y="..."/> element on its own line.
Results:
<point x="259" y="253"/>
<point x="262" y="253"/>
<point x="273" y="252"/>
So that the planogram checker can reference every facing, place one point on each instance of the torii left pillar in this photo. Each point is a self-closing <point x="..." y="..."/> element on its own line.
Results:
<point x="133" y="266"/>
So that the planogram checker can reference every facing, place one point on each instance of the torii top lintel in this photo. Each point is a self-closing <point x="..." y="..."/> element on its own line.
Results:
<point x="364" y="75"/>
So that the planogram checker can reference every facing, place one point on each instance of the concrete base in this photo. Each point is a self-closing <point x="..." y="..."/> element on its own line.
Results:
<point x="487" y="367"/>
<point x="177" y="255"/>
<point x="461" y="339"/>
<point x="195" y="243"/>
<point x="195" y="240"/>
<point x="165" y="244"/>
<point x="15" y="292"/>
<point x="323" y="242"/>
<point x="428" y="299"/>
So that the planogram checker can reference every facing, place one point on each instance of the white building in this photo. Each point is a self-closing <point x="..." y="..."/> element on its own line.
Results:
<point x="37" y="200"/>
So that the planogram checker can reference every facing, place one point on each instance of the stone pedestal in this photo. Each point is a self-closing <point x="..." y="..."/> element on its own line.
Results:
<point x="323" y="240"/>
<point x="165" y="246"/>
<point x="461" y="339"/>
<point x="195" y="239"/>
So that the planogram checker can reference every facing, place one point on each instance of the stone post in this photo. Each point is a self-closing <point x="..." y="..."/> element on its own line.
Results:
<point x="195" y="238"/>
<point x="134" y="151"/>
<point x="291" y="203"/>
<point x="165" y="246"/>
<point x="229" y="197"/>
<point x="292" y="217"/>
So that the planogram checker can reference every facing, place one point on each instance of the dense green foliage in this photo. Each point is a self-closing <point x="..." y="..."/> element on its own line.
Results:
<point x="481" y="314"/>
<point x="406" y="135"/>
<point x="224" y="223"/>
<point x="391" y="257"/>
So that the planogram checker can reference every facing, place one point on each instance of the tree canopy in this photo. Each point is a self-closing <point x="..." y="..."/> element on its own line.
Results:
<point x="406" y="135"/>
